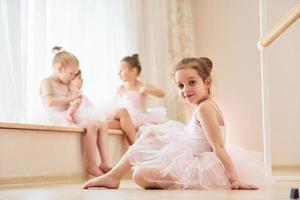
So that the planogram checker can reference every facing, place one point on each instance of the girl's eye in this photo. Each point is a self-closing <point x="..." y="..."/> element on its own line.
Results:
<point x="180" y="86"/>
<point x="192" y="82"/>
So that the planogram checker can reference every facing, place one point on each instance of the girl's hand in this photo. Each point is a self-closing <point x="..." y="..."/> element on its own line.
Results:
<point x="74" y="105"/>
<point x="77" y="102"/>
<point x="75" y="95"/>
<point x="71" y="114"/>
<point x="237" y="185"/>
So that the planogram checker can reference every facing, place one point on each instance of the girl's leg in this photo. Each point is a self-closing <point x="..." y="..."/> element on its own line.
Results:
<point x="111" y="179"/>
<point x="90" y="148"/>
<point x="125" y="123"/>
<point x="142" y="172"/>
<point x="102" y="142"/>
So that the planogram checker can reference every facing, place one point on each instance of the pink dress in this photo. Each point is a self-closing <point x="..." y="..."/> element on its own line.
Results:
<point x="55" y="115"/>
<point x="184" y="154"/>
<point x="136" y="105"/>
<point x="87" y="112"/>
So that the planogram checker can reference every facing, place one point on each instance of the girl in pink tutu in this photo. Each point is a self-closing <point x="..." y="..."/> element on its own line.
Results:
<point x="175" y="156"/>
<point x="133" y="94"/>
<point x="61" y="102"/>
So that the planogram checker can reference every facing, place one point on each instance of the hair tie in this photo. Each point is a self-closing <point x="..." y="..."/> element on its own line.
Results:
<point x="57" y="50"/>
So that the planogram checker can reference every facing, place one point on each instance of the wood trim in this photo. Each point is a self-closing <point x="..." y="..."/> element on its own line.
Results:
<point x="286" y="167"/>
<point x="286" y="178"/>
<point x="39" y="180"/>
<point x="37" y="127"/>
<point x="5" y="125"/>
<point x="9" y="181"/>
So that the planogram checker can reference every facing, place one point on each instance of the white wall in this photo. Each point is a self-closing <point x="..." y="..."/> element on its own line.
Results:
<point x="227" y="31"/>
<point x="284" y="74"/>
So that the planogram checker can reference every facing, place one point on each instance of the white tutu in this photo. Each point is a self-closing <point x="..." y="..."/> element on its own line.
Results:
<point x="175" y="152"/>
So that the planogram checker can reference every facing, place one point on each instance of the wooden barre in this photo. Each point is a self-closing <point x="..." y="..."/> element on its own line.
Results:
<point x="283" y="24"/>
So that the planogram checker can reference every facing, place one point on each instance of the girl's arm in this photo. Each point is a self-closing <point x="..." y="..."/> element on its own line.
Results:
<point x="118" y="94"/>
<point x="208" y="119"/>
<point x="152" y="90"/>
<point x="47" y="96"/>
<point x="74" y="105"/>
<point x="120" y="90"/>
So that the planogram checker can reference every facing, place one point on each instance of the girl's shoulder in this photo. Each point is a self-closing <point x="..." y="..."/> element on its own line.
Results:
<point x="209" y="107"/>
<point x="208" y="104"/>
<point x="46" y="87"/>
<point x="120" y="89"/>
<point x="141" y="83"/>
<point x="203" y="108"/>
<point x="47" y="82"/>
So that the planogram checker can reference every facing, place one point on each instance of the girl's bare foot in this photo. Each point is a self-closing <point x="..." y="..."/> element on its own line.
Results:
<point x="105" y="180"/>
<point x="95" y="171"/>
<point x="104" y="167"/>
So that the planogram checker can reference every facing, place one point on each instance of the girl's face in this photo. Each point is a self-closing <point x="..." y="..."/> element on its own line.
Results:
<point x="126" y="73"/>
<point x="67" y="73"/>
<point x="191" y="86"/>
<point x="78" y="81"/>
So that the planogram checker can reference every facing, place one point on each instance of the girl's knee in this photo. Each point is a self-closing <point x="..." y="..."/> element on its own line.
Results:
<point x="135" y="174"/>
<point x="103" y="125"/>
<point x="92" y="127"/>
<point x="138" y="178"/>
<point x="123" y="112"/>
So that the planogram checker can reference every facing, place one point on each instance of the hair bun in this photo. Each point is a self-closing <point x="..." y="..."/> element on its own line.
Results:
<point x="135" y="56"/>
<point x="208" y="63"/>
<point x="57" y="49"/>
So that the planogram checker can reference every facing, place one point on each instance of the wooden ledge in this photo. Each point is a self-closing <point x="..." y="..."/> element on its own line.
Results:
<point x="39" y="127"/>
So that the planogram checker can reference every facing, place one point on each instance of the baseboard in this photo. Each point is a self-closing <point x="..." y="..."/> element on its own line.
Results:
<point x="286" y="178"/>
<point x="13" y="181"/>
<point x="285" y="173"/>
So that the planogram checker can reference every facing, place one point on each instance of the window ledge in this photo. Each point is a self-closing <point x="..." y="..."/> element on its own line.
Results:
<point x="39" y="127"/>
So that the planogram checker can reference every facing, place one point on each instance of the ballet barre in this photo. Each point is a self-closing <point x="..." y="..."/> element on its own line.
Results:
<point x="282" y="26"/>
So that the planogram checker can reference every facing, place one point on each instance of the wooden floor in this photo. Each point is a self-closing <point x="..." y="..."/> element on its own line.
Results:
<point x="128" y="190"/>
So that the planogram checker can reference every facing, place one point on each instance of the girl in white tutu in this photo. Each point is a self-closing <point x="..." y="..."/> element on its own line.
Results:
<point x="133" y="94"/>
<point x="130" y="110"/>
<point x="61" y="102"/>
<point x="175" y="156"/>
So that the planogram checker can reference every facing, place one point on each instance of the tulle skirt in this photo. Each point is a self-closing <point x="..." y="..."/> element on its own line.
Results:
<point x="82" y="116"/>
<point x="165" y="149"/>
<point x="156" y="115"/>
